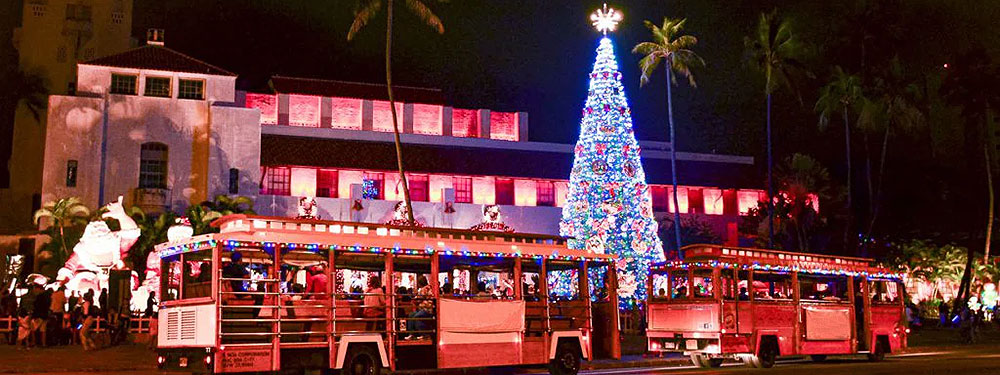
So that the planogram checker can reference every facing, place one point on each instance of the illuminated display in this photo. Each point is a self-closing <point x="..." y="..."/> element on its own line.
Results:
<point x="268" y="106"/>
<point x="303" y="110"/>
<point x="345" y="113"/>
<point x="465" y="123"/>
<point x="503" y="126"/>
<point x="382" y="116"/>
<point x="427" y="119"/>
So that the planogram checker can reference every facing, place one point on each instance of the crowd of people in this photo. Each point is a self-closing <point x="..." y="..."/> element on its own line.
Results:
<point x="53" y="317"/>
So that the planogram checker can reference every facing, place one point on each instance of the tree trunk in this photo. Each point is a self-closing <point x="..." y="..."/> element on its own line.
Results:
<point x="878" y="186"/>
<point x="673" y="157"/>
<point x="392" y="109"/>
<point x="770" y="179"/>
<point x="848" y="242"/>
<point x="990" y="195"/>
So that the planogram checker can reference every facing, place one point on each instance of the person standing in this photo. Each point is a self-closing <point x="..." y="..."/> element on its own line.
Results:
<point x="317" y="283"/>
<point x="40" y="315"/>
<point x="102" y="301"/>
<point x="150" y="303"/>
<point x="56" y="309"/>
<point x="90" y="317"/>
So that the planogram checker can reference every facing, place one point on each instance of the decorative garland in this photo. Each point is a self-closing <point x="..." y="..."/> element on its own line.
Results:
<point x="768" y="267"/>
<point x="358" y="248"/>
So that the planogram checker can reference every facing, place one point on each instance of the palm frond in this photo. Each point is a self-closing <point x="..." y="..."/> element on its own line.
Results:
<point x="645" y="48"/>
<point x="425" y="14"/>
<point x="647" y="65"/>
<point x="362" y="16"/>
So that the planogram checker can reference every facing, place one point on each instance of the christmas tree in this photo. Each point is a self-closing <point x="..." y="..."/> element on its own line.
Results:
<point x="608" y="208"/>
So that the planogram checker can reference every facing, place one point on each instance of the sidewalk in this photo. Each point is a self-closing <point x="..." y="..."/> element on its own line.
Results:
<point x="129" y="357"/>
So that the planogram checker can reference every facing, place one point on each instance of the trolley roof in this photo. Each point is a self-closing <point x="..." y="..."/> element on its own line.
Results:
<point x="777" y="260"/>
<point x="264" y="231"/>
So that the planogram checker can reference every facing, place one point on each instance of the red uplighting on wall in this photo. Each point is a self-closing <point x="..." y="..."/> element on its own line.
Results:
<point x="382" y="116"/>
<point x="427" y="119"/>
<point x="503" y="126"/>
<point x="465" y="123"/>
<point x="268" y="106"/>
<point x="345" y="113"/>
<point x="303" y="110"/>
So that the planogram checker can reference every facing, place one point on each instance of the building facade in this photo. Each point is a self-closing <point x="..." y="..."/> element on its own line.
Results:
<point x="53" y="37"/>
<point x="166" y="130"/>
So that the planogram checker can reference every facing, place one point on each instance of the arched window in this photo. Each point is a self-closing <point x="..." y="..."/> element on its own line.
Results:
<point x="153" y="166"/>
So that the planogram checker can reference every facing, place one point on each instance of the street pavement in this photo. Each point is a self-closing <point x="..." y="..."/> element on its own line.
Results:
<point x="979" y="359"/>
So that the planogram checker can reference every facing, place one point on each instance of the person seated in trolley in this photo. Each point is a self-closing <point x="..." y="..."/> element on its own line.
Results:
<point x="418" y="324"/>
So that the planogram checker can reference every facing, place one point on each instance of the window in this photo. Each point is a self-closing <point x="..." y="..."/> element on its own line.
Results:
<point x="742" y="285"/>
<point x="822" y="288"/>
<point x="326" y="183"/>
<point x="124" y="84"/>
<point x="463" y="189"/>
<point x="234" y="181"/>
<point x="545" y="193"/>
<point x="158" y="86"/>
<point x="679" y="284"/>
<point x="659" y="194"/>
<point x="378" y="184"/>
<point x="728" y="281"/>
<point x="772" y="286"/>
<point x="505" y="191"/>
<point x="703" y="286"/>
<point x="37" y="10"/>
<point x="153" y="166"/>
<point x="71" y="173"/>
<point x="419" y="188"/>
<point x="61" y="54"/>
<point x="117" y="17"/>
<point x="277" y="181"/>
<point x="884" y="291"/>
<point x="191" y="89"/>
<point x="660" y="286"/>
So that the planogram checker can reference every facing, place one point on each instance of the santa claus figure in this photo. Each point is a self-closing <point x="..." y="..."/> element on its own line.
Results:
<point x="99" y="251"/>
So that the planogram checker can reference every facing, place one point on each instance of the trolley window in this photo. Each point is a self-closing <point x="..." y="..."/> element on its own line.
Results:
<point x="597" y="274"/>
<point x="743" y="285"/>
<point x="478" y="278"/>
<point x="563" y="280"/>
<point x="772" y="286"/>
<point x="660" y="285"/>
<point x="679" y="284"/>
<point x="702" y="282"/>
<point x="187" y="275"/>
<point x="884" y="291"/>
<point x="822" y="288"/>
<point x="727" y="280"/>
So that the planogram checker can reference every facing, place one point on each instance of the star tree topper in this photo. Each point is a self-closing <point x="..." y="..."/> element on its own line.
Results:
<point x="606" y="19"/>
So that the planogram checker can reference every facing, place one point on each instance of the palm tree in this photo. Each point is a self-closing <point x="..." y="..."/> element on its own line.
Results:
<point x="201" y="218"/>
<point x="843" y="94"/>
<point x="227" y="205"/>
<point x="891" y="106"/>
<point x="669" y="45"/>
<point x="362" y="16"/>
<point x="775" y="52"/>
<point x="65" y="212"/>
<point x="26" y="88"/>
<point x="153" y="231"/>
<point x="971" y="84"/>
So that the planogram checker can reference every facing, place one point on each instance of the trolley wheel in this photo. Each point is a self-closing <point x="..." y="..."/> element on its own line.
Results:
<point x="704" y="361"/>
<point x="818" y="358"/>
<point x="362" y="360"/>
<point x="765" y="356"/>
<point x="566" y="361"/>
<point x="878" y="352"/>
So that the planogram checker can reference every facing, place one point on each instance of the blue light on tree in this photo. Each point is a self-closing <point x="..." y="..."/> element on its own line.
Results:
<point x="608" y="207"/>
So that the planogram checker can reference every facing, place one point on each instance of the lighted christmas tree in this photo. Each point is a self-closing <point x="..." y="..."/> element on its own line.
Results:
<point x="608" y="208"/>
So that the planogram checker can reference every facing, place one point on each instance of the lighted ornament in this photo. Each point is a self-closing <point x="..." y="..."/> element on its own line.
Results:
<point x="307" y="208"/>
<point x="608" y="207"/>
<point x="400" y="216"/>
<point x="180" y="230"/>
<point x="605" y="19"/>
<point x="492" y="221"/>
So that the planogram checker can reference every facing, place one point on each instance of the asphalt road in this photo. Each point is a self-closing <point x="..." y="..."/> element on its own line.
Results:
<point x="966" y="361"/>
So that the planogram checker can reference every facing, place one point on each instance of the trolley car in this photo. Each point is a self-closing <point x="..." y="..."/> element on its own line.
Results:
<point x="268" y="294"/>
<point x="755" y="305"/>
